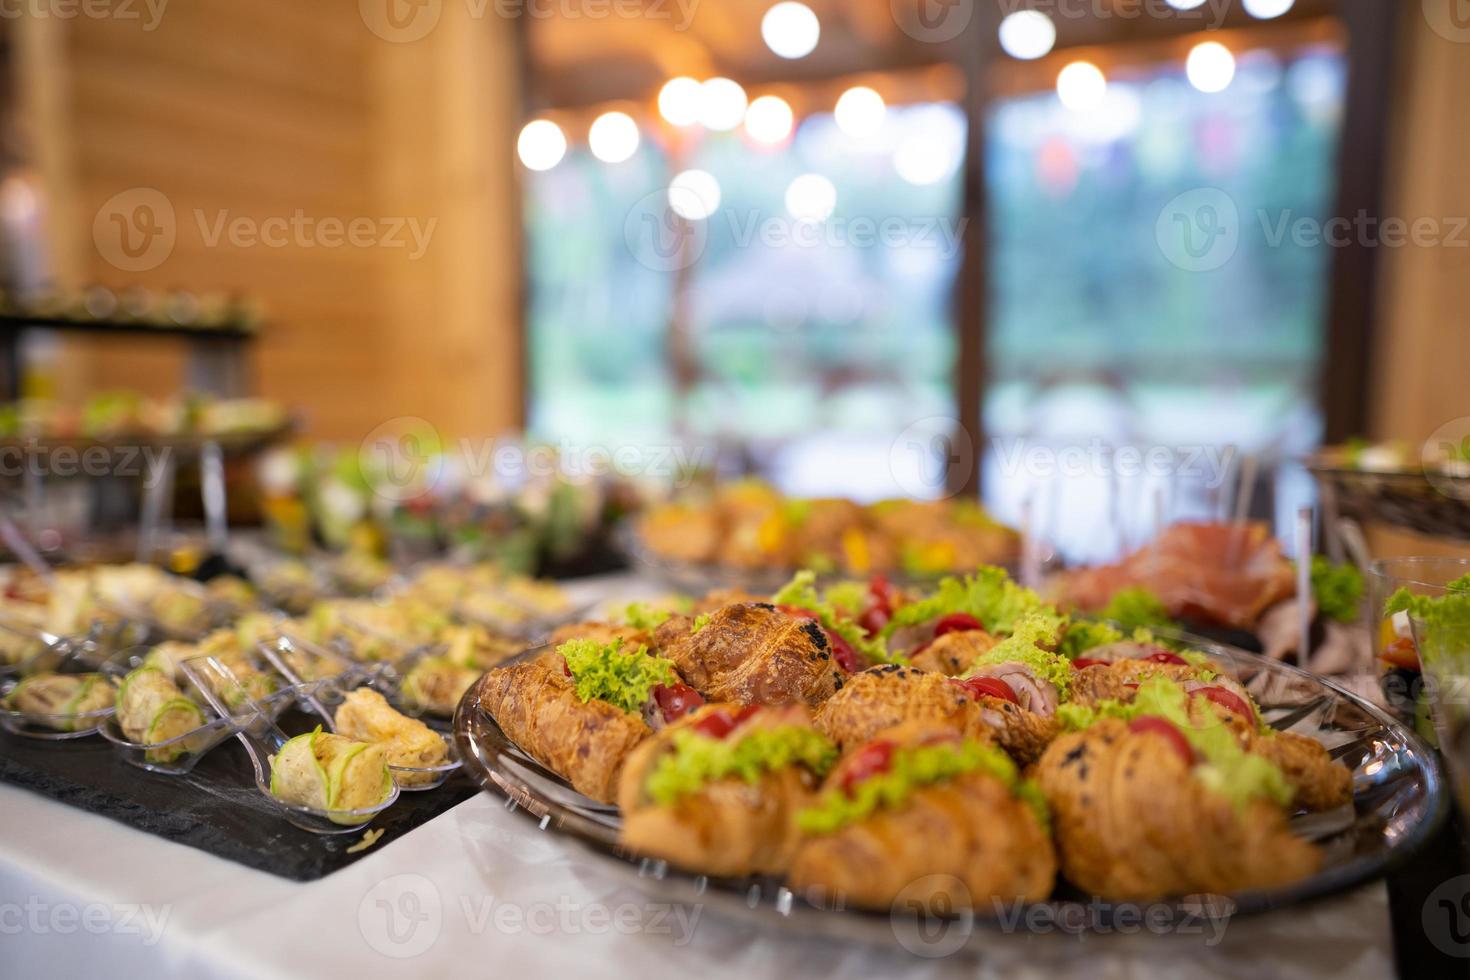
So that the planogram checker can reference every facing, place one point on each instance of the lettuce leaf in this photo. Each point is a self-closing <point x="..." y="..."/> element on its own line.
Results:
<point x="697" y="760"/>
<point x="989" y="595"/>
<point x="606" y="672"/>
<point x="1338" y="589"/>
<point x="1029" y="645"/>
<point x="912" y="768"/>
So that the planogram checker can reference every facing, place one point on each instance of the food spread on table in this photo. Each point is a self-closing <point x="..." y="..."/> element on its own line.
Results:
<point x="857" y="738"/>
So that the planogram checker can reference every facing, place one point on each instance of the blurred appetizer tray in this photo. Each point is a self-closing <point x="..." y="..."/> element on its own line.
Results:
<point x="698" y="578"/>
<point x="215" y="808"/>
<point x="188" y="446"/>
<point x="1398" y="806"/>
<point x="1438" y="506"/>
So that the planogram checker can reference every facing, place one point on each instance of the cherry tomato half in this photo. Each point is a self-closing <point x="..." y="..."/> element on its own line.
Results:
<point x="676" y="700"/>
<point x="847" y="658"/>
<point x="1083" y="662"/>
<point x="1401" y="653"/>
<point x="718" y="724"/>
<point x="1227" y="699"/>
<point x="1154" y="725"/>
<point x="994" y="687"/>
<point x="873" y="619"/>
<point x="957" y="623"/>
<point x="1165" y="657"/>
<point x="871" y="760"/>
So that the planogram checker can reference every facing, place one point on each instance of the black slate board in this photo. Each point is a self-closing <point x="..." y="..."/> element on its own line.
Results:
<point x="216" y="808"/>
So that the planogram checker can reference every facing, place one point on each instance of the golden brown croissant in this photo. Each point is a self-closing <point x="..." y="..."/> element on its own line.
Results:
<point x="586" y="742"/>
<point x="753" y="653"/>
<point x="1023" y="734"/>
<point x="1117" y="681"/>
<point x="967" y="839"/>
<point x="882" y="697"/>
<point x="953" y="653"/>
<point x="600" y="632"/>
<point x="1317" y="782"/>
<point x="728" y="826"/>
<point x="1132" y="821"/>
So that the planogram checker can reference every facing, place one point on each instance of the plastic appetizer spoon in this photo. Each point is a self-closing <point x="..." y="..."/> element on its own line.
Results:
<point x="267" y="745"/>
<point x="286" y="652"/>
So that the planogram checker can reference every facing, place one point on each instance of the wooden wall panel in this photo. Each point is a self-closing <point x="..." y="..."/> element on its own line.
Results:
<point x="266" y="108"/>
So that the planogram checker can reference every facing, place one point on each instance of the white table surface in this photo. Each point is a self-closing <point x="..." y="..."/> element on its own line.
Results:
<point x="481" y="891"/>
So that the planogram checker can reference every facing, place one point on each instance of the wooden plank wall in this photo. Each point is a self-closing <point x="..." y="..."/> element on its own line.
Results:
<point x="271" y="107"/>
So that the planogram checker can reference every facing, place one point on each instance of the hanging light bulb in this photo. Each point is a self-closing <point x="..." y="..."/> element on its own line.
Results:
<point x="541" y="144"/>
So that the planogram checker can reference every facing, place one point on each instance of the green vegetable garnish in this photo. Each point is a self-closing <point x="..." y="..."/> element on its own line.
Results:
<point x="697" y="760"/>
<point x="1338" y="589"/>
<point x="606" y="672"/>
<point x="802" y="593"/>
<point x="1226" y="768"/>
<point x="700" y="622"/>
<point x="1027" y="646"/>
<point x="1084" y="635"/>
<point x="642" y="616"/>
<point x="1135" y="608"/>
<point x="912" y="768"/>
<point x="989" y="595"/>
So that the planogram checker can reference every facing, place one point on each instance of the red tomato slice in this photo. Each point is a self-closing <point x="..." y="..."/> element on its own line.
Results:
<point x="676" y="700"/>
<point x="1401" y="653"/>
<point x="1165" y="657"/>
<point x="994" y="687"/>
<point x="564" y="668"/>
<point x="716" y="724"/>
<point x="871" y="760"/>
<point x="1154" y="725"/>
<point x="1082" y="662"/>
<point x="957" y="623"/>
<point x="1227" y="699"/>
<point x="798" y="612"/>
<point x="883" y="593"/>
<point x="873" y="620"/>
<point x="847" y="658"/>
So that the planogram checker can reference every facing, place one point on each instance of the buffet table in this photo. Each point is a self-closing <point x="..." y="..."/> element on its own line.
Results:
<point x="482" y="889"/>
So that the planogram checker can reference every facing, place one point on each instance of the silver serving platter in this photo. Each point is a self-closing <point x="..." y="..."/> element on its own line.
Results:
<point x="1398" y="804"/>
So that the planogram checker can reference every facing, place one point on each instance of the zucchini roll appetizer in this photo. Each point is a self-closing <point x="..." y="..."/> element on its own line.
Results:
<point x="151" y="710"/>
<point x="580" y="710"/>
<point x="921" y="807"/>
<point x="752" y="653"/>
<point x="718" y="791"/>
<point x="1151" y="799"/>
<point x="331" y="772"/>
<point x="434" y="685"/>
<point x="366" y="716"/>
<point x="61" y="701"/>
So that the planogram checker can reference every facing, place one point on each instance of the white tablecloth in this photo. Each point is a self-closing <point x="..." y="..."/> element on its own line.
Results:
<point x="481" y="891"/>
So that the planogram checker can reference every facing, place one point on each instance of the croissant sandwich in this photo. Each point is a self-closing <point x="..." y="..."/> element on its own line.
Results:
<point x="718" y="791"/>
<point x="922" y="813"/>
<point x="753" y="653"/>
<point x="890" y="695"/>
<point x="581" y="710"/>
<point x="1149" y="802"/>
